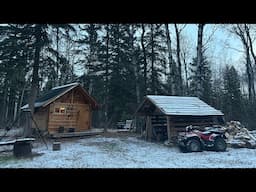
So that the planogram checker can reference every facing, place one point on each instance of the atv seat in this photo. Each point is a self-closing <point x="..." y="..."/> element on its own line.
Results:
<point x="207" y="132"/>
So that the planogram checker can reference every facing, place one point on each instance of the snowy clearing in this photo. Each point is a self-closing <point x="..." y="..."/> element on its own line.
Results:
<point x="126" y="152"/>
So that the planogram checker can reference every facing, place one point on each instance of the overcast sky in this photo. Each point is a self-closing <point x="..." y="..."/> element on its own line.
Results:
<point x="221" y="47"/>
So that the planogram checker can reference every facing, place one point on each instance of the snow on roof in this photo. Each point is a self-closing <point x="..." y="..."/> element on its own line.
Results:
<point x="37" y="104"/>
<point x="52" y="95"/>
<point x="67" y="85"/>
<point x="177" y="105"/>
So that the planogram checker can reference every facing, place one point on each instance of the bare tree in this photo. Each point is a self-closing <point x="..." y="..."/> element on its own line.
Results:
<point x="35" y="78"/>
<point x="242" y="31"/>
<point x="134" y="63"/>
<point x="144" y="58"/>
<point x="178" y="52"/>
<point x="199" y="54"/>
<point x="247" y="30"/>
<point x="172" y="66"/>
<point x="106" y="98"/>
<point x="152" y="56"/>
<point x="186" y="56"/>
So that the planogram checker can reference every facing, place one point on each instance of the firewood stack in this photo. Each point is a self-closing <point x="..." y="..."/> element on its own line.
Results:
<point x="238" y="136"/>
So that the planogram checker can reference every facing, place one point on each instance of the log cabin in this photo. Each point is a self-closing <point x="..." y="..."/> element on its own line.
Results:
<point x="66" y="108"/>
<point x="166" y="116"/>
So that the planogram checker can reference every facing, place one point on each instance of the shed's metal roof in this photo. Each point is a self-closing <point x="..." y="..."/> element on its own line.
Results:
<point x="177" y="105"/>
<point x="54" y="94"/>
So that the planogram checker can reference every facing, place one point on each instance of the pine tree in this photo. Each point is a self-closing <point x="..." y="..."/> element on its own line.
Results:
<point x="156" y="57"/>
<point x="16" y="54"/>
<point x="201" y="75"/>
<point x="217" y="90"/>
<point x="232" y="99"/>
<point x="59" y="33"/>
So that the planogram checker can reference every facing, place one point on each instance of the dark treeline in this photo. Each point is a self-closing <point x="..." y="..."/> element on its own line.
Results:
<point x="119" y="64"/>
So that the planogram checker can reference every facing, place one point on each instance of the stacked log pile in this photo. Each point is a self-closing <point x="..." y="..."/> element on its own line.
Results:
<point x="239" y="136"/>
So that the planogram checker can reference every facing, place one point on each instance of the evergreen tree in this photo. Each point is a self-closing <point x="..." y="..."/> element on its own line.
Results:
<point x="16" y="54"/>
<point x="157" y="61"/>
<point x="201" y="75"/>
<point x="217" y="91"/>
<point x="232" y="99"/>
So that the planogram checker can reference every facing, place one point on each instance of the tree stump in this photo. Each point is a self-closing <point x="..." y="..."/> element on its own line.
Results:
<point x="21" y="149"/>
<point x="56" y="146"/>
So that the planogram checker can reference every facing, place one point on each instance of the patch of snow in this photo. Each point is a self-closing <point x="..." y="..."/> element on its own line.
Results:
<point x="37" y="104"/>
<point x="129" y="152"/>
<point x="67" y="85"/>
<point x="176" y="105"/>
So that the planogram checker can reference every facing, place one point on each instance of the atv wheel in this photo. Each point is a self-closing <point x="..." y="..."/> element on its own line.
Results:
<point x="183" y="149"/>
<point x="193" y="145"/>
<point x="220" y="144"/>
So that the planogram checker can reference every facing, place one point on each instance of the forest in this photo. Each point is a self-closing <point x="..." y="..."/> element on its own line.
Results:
<point x="119" y="63"/>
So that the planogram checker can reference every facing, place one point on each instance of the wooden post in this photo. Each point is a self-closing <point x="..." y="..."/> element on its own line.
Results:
<point x="149" y="129"/>
<point x="146" y="130"/>
<point x="168" y="128"/>
<point x="28" y="125"/>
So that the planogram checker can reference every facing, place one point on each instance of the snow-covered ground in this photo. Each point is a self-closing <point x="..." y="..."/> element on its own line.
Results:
<point x="127" y="152"/>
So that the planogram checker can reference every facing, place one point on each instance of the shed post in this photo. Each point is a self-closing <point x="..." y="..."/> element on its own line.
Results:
<point x="168" y="128"/>
<point x="148" y="128"/>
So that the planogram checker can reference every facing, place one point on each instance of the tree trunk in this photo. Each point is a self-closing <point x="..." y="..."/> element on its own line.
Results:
<point x="144" y="58"/>
<point x="57" y="62"/>
<point x="137" y="88"/>
<point x="20" y="104"/>
<point x="250" y="42"/>
<point x="199" y="57"/>
<point x="106" y="83"/>
<point x="180" y="85"/>
<point x="250" y="75"/>
<point x="171" y="63"/>
<point x="134" y="63"/>
<point x="35" y="79"/>
<point x="244" y="35"/>
<point x="186" y="73"/>
<point x="7" y="105"/>
<point x="153" y="77"/>
<point x="4" y="106"/>
<point x="15" y="110"/>
<point x="253" y="96"/>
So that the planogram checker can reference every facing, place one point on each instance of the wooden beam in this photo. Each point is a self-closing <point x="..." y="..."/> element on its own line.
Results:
<point x="146" y="134"/>
<point x="149" y="129"/>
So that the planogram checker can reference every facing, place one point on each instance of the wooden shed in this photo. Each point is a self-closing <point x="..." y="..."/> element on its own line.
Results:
<point x="66" y="108"/>
<point x="165" y="116"/>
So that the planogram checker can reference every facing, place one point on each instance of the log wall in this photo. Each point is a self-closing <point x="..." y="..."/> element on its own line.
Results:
<point x="71" y="110"/>
<point x="177" y="124"/>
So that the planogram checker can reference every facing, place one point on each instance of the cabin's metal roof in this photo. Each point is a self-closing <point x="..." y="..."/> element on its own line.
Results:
<point x="53" y="94"/>
<point x="177" y="105"/>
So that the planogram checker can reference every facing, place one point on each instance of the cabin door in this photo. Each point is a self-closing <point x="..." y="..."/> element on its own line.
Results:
<point x="84" y="118"/>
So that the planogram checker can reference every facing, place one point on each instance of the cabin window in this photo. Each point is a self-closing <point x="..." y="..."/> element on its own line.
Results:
<point x="60" y="110"/>
<point x="57" y="110"/>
